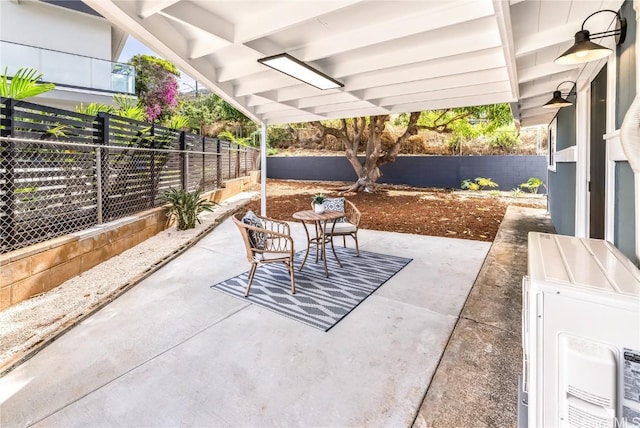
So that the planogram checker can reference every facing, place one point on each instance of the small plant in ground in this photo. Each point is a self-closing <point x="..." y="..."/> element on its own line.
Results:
<point x="532" y="184"/>
<point x="478" y="184"/>
<point x="495" y="193"/>
<point x="485" y="182"/>
<point x="186" y="206"/>
<point x="468" y="184"/>
<point x="517" y="192"/>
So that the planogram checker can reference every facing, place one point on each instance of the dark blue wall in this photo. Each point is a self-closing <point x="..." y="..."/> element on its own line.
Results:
<point x="419" y="171"/>
<point x="624" y="233"/>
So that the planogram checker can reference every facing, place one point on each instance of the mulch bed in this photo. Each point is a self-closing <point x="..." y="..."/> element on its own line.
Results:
<point x="434" y="212"/>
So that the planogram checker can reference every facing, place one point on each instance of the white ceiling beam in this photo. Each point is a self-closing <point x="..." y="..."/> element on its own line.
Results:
<point x="288" y="113"/>
<point x="461" y="11"/>
<point x="503" y="18"/>
<point x="276" y="106"/>
<point x="151" y="7"/>
<point x="484" y="99"/>
<point x="336" y="98"/>
<point x="544" y="70"/>
<point x="452" y="81"/>
<point x="292" y="119"/>
<point x="541" y="119"/>
<point x="451" y="14"/>
<point x="373" y="111"/>
<point x="475" y="61"/>
<point x="562" y="34"/>
<point x="267" y="79"/>
<point x="471" y="89"/>
<point x="413" y="51"/>
<point x="330" y="108"/>
<point x="193" y="16"/>
<point x="286" y="15"/>
<point x="537" y="101"/>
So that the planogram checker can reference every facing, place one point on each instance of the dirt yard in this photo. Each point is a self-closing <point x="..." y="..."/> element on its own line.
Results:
<point x="423" y="211"/>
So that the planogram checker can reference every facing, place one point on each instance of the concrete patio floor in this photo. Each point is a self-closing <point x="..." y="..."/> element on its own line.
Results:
<point x="172" y="351"/>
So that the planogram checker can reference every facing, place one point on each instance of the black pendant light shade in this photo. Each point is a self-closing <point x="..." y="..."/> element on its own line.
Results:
<point x="584" y="50"/>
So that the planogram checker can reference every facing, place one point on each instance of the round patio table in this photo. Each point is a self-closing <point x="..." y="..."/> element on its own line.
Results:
<point x="321" y="238"/>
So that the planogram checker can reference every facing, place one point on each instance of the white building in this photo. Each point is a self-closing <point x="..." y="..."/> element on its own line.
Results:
<point x="71" y="45"/>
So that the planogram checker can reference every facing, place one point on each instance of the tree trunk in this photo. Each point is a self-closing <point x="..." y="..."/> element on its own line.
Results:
<point x="368" y="171"/>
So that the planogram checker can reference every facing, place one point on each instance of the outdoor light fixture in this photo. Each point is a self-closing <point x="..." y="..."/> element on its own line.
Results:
<point x="295" y="68"/>
<point x="557" y="100"/>
<point x="584" y="50"/>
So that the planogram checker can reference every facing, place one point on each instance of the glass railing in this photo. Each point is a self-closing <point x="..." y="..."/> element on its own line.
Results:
<point x="68" y="69"/>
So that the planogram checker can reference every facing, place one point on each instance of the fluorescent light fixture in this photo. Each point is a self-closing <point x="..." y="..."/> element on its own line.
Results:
<point x="297" y="69"/>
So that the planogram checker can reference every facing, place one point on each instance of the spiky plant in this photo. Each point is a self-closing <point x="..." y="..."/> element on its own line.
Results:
<point x="185" y="207"/>
<point x="23" y="84"/>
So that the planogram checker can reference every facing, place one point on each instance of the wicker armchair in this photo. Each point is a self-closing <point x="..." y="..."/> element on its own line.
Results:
<point x="346" y="226"/>
<point x="266" y="241"/>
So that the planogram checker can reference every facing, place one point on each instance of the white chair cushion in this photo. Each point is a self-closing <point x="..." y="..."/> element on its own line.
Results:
<point x="341" y="227"/>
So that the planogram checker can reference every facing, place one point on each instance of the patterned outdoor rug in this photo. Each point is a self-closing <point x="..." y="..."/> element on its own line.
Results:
<point x="319" y="301"/>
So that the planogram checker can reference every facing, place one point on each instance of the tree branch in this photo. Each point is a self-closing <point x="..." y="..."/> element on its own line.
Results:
<point x="412" y="129"/>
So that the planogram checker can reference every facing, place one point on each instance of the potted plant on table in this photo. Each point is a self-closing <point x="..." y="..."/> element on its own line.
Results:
<point x="318" y="201"/>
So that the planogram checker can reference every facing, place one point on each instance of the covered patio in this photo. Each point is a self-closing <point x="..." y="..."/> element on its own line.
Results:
<point x="173" y="351"/>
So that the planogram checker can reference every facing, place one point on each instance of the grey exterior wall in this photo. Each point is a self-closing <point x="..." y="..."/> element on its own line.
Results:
<point x="626" y="70"/>
<point x="562" y="182"/>
<point x="419" y="171"/>
<point x="562" y="197"/>
<point x="624" y="234"/>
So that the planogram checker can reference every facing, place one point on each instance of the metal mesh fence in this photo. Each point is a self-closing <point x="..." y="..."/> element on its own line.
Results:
<point x="52" y="188"/>
<point x="62" y="171"/>
<point x="46" y="190"/>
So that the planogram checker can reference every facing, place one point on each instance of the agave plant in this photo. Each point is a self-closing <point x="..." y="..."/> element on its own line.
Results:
<point x="185" y="207"/>
<point x="23" y="84"/>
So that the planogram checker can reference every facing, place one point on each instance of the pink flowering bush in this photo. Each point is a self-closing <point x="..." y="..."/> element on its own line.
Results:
<point x="156" y="86"/>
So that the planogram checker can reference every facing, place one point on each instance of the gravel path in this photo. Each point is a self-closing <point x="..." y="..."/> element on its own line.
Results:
<point x="29" y="326"/>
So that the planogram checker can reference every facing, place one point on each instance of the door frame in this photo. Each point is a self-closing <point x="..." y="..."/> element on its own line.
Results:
<point x="583" y="146"/>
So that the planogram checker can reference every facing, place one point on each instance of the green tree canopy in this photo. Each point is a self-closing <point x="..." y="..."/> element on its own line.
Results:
<point x="466" y="122"/>
<point x="207" y="109"/>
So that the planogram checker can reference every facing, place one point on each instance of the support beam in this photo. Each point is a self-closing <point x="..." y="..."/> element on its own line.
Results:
<point x="263" y="169"/>
<point x="152" y="7"/>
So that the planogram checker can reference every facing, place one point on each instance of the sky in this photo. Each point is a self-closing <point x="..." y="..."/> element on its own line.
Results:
<point x="134" y="47"/>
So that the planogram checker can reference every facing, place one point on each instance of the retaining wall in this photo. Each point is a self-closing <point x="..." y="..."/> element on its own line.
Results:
<point x="419" y="171"/>
<point x="30" y="271"/>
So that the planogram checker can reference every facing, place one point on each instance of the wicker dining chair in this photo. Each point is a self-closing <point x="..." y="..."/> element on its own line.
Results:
<point x="345" y="226"/>
<point x="266" y="241"/>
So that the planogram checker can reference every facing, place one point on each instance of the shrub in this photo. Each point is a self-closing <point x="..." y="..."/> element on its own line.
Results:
<point x="186" y="207"/>
<point x="478" y="184"/>
<point x="505" y="141"/>
<point x="469" y="185"/>
<point x="517" y="192"/>
<point x="532" y="184"/>
<point x="485" y="182"/>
